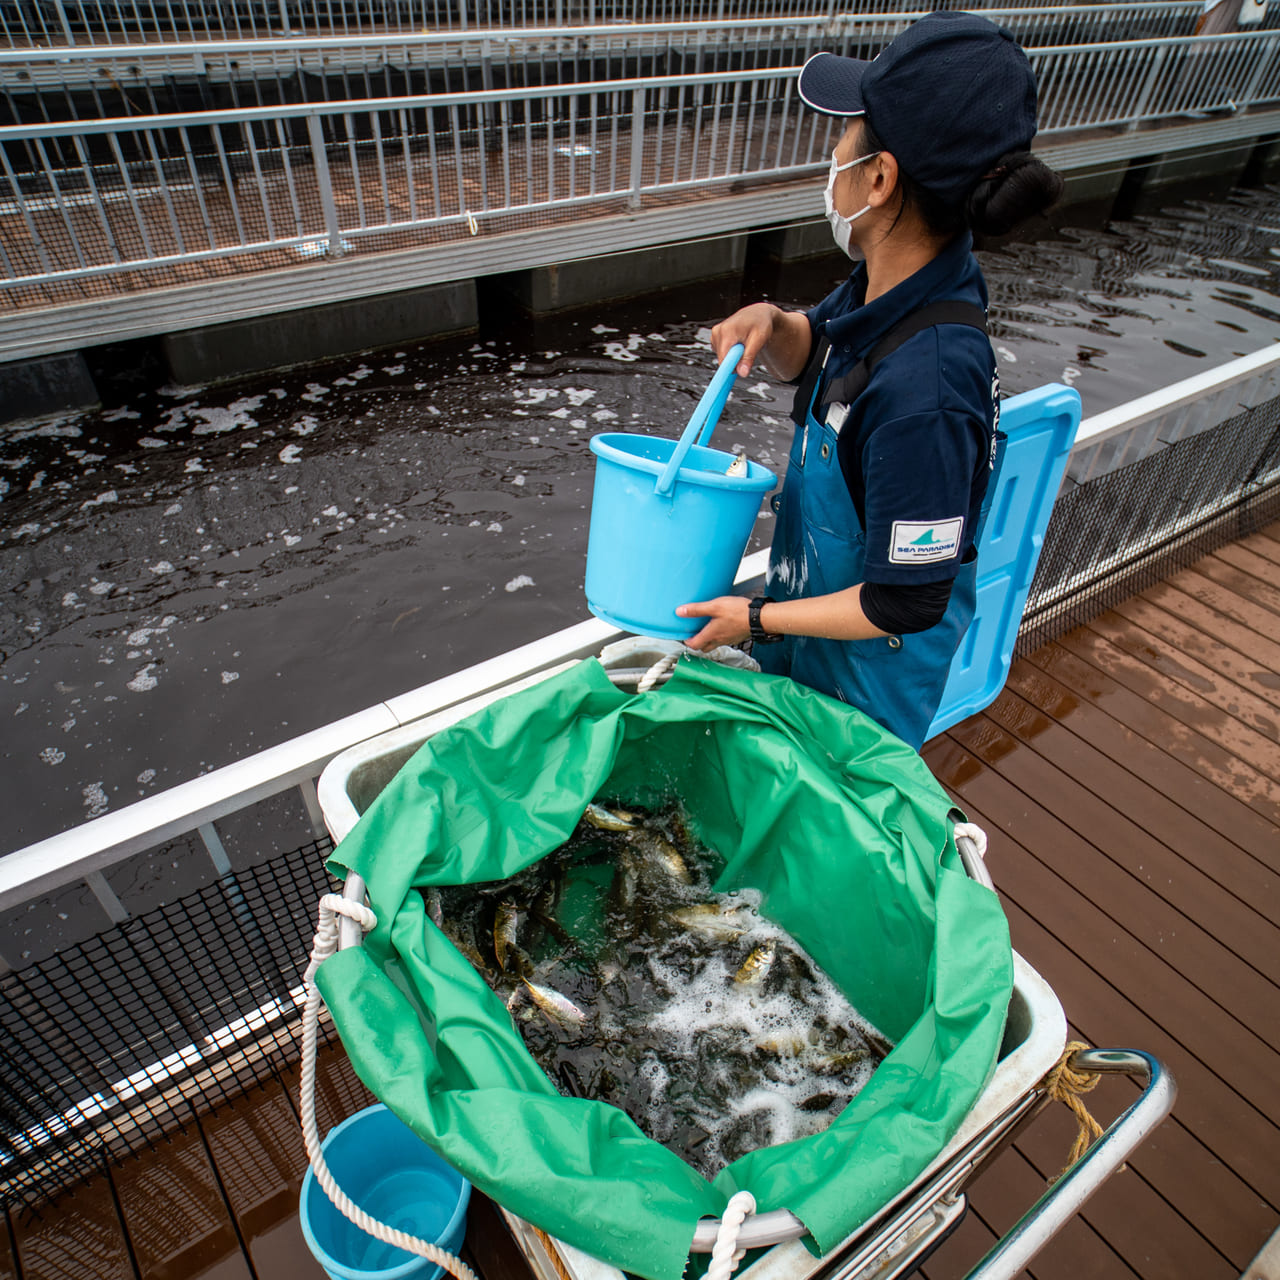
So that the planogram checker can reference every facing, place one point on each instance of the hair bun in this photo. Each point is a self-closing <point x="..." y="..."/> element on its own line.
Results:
<point x="1019" y="187"/>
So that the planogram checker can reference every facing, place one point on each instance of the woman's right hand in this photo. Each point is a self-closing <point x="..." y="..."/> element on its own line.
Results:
<point x="752" y="326"/>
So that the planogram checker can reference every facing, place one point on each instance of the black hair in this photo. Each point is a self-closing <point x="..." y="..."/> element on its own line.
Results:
<point x="1018" y="187"/>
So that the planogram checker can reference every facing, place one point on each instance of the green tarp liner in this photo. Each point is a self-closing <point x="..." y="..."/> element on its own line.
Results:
<point x="839" y="825"/>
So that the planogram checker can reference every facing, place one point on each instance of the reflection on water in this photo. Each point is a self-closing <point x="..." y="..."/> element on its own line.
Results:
<point x="192" y="575"/>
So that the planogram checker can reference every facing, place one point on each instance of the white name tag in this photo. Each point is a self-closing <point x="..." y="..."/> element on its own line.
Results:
<point x="923" y="542"/>
<point x="836" y="415"/>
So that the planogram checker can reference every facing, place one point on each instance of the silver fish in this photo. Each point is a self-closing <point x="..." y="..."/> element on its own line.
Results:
<point x="504" y="933"/>
<point x="609" y="819"/>
<point x="711" y="918"/>
<point x="558" y="1008"/>
<point x="664" y="853"/>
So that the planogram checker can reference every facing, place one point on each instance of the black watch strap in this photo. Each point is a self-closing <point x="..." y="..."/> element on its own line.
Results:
<point x="758" y="634"/>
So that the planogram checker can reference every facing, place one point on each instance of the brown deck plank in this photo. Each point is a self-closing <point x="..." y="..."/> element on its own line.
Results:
<point x="1203" y="714"/>
<point x="1220" y="767"/>
<point x="1266" y="543"/>
<point x="1255" y="572"/>
<point x="77" y="1237"/>
<point x="1242" y="668"/>
<point x="1245" y="638"/>
<point x="1196" y="953"/>
<point x="1225" y="568"/>
<point x="1137" y="777"/>
<point x="1107" y="1018"/>
<point x="258" y="1149"/>
<point x="1199" y="1181"/>
<point x="176" y="1219"/>
<point x="1183" y="673"/>
<point x="1079" y="786"/>
<point x="1240" y="607"/>
<point x="1256" y="567"/>
<point x="1208" y="811"/>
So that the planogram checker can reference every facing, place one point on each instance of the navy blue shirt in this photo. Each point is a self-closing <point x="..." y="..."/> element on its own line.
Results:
<point x="916" y="446"/>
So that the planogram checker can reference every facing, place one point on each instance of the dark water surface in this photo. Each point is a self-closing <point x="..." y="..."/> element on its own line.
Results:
<point x="192" y="575"/>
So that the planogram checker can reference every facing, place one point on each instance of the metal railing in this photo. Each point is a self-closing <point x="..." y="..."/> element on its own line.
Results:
<point x="96" y="82"/>
<point x="67" y="23"/>
<point x="98" y="198"/>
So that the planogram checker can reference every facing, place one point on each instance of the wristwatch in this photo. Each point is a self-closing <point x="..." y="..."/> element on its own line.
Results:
<point x="758" y="634"/>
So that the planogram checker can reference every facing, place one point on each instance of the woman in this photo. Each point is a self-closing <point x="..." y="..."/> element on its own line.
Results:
<point x="871" y="574"/>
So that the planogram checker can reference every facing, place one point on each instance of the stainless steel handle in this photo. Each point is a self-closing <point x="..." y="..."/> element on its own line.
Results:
<point x="1067" y="1196"/>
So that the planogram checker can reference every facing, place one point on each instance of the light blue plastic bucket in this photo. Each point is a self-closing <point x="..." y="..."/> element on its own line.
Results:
<point x="385" y="1168"/>
<point x="668" y="526"/>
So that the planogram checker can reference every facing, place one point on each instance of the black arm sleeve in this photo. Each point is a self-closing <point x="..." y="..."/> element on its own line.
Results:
<point x="902" y="608"/>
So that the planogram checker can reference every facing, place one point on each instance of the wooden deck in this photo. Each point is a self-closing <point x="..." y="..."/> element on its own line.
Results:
<point x="1129" y="779"/>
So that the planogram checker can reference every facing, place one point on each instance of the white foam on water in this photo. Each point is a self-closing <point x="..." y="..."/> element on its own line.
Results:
<point x="109" y="496"/>
<point x="143" y="681"/>
<point x="95" y="799"/>
<point x="578" y="396"/>
<point x="51" y="755"/>
<point x="227" y="678"/>
<point x="523" y="580"/>
<point x="291" y="453"/>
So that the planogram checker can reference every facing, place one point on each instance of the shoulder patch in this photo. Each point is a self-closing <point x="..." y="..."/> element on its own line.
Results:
<point x="924" y="542"/>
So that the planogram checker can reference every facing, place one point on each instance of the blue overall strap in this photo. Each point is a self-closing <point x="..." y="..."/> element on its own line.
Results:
<point x="849" y="386"/>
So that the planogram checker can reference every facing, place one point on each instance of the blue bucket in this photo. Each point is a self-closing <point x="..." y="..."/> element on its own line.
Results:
<point x="385" y="1168"/>
<point x="668" y="526"/>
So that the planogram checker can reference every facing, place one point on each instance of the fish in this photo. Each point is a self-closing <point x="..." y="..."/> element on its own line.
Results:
<point x="738" y="467"/>
<point x="504" y="933"/>
<point x="597" y="815"/>
<point x="788" y="1047"/>
<point x="661" y="851"/>
<point x="757" y="964"/>
<point x="435" y="907"/>
<point x="713" y="918"/>
<point x="838" y="1064"/>
<point x="559" y="1009"/>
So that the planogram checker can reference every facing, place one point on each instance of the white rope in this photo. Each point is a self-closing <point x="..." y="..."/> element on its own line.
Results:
<point x="725" y="1254"/>
<point x="975" y="833"/>
<point x="659" y="671"/>
<point x="326" y="943"/>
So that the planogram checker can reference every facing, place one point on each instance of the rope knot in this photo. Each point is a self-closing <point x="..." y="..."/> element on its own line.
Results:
<point x="333" y="905"/>
<point x="1064" y="1083"/>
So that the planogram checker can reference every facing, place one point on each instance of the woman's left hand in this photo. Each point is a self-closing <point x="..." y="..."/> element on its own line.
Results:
<point x="727" y="621"/>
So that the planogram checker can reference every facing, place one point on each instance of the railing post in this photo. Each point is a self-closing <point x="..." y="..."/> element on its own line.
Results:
<point x="637" y="147"/>
<point x="1157" y="64"/>
<point x="66" y="26"/>
<point x="1265" y="56"/>
<point x="286" y="27"/>
<point x="325" y="183"/>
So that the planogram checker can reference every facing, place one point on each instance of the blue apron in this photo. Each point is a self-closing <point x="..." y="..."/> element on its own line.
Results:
<point x="819" y="546"/>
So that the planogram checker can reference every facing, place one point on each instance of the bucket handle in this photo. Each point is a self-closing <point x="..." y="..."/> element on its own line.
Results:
<point x="704" y="418"/>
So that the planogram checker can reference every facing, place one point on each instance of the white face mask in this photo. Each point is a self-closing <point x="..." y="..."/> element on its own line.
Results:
<point x="842" y="227"/>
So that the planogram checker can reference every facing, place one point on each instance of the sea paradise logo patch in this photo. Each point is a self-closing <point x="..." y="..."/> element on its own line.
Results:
<point x="920" y="542"/>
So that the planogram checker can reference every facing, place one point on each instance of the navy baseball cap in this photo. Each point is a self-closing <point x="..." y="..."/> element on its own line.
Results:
<point x="947" y="98"/>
